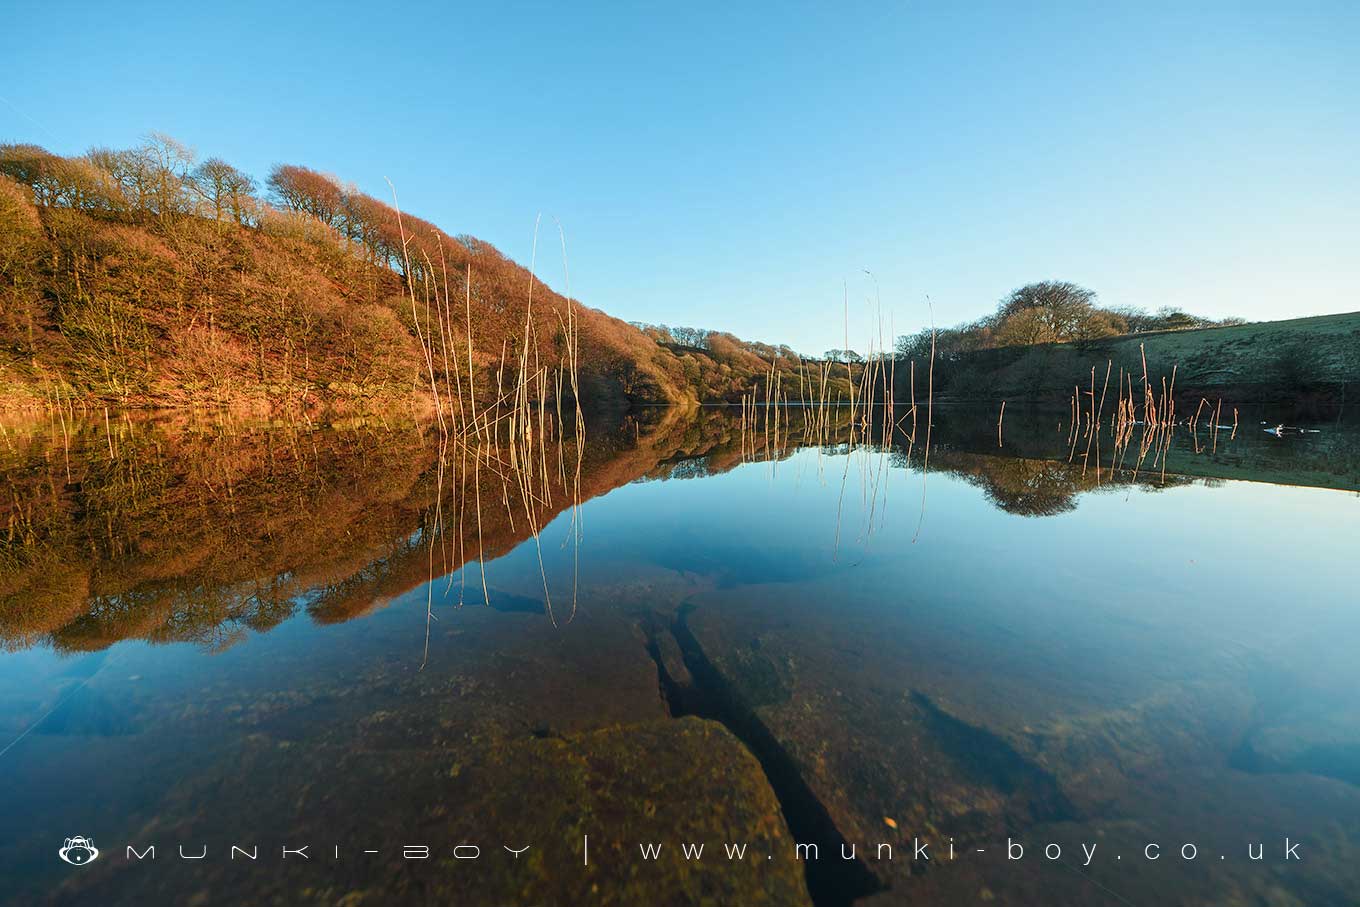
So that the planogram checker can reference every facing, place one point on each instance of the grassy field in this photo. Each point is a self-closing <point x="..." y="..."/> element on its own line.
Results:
<point x="1301" y="359"/>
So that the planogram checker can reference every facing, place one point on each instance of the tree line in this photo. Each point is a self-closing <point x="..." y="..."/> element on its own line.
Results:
<point x="1045" y="312"/>
<point x="161" y="180"/>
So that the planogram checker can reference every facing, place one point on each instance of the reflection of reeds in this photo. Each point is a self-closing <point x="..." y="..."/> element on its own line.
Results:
<point x="930" y="409"/>
<point x="771" y="422"/>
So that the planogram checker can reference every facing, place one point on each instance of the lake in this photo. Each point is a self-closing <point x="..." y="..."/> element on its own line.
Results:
<point x="699" y="657"/>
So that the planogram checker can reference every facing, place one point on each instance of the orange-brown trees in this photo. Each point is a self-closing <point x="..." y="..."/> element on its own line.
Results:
<point x="302" y="189"/>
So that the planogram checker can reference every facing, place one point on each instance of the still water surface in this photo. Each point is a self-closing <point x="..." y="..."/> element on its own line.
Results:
<point x="221" y="634"/>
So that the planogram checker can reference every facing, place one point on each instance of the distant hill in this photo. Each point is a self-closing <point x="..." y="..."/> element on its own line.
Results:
<point x="1299" y="360"/>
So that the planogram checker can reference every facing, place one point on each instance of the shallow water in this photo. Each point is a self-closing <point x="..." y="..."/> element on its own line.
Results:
<point x="269" y="637"/>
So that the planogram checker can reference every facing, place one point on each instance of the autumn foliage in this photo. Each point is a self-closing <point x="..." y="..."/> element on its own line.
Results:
<point x="141" y="277"/>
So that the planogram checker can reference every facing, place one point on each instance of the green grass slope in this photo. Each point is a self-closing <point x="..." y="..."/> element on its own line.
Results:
<point x="1298" y="360"/>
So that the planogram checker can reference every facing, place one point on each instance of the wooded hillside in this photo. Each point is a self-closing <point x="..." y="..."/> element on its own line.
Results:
<point x="142" y="277"/>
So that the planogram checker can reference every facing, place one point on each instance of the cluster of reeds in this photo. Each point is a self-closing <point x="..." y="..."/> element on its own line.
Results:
<point x="1143" y="419"/>
<point x="536" y="401"/>
<point x="872" y="393"/>
<point x="870" y="412"/>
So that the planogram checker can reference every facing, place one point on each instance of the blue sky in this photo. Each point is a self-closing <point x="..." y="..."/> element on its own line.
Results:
<point x="735" y="168"/>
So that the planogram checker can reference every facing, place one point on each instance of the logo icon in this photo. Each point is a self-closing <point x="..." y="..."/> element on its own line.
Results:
<point x="78" y="851"/>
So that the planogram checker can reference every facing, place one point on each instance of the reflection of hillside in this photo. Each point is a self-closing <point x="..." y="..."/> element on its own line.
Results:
<point x="614" y="456"/>
<point x="1329" y="458"/>
<point x="169" y="532"/>
<point x="648" y="444"/>
<point x="175" y="533"/>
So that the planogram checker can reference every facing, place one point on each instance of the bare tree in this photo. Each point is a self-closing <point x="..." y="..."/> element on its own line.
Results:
<point x="60" y="182"/>
<point x="152" y="177"/>
<point x="226" y="191"/>
<point x="1056" y="308"/>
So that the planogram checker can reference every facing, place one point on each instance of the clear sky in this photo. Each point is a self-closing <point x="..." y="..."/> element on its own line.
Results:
<point x="735" y="166"/>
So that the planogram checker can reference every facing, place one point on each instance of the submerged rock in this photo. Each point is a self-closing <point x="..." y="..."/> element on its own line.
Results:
<point x="883" y="763"/>
<point x="665" y="782"/>
<point x="879" y="722"/>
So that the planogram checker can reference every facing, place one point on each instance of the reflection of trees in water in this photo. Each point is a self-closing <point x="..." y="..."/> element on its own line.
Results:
<point x="1028" y="487"/>
<point x="1034" y="487"/>
<point x="689" y="468"/>
<point x="188" y="534"/>
<point x="168" y="533"/>
<point x="174" y="533"/>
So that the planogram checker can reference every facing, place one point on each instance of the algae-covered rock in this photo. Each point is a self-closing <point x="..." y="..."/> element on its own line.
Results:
<point x="899" y="735"/>
<point x="887" y="764"/>
<point x="583" y="805"/>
